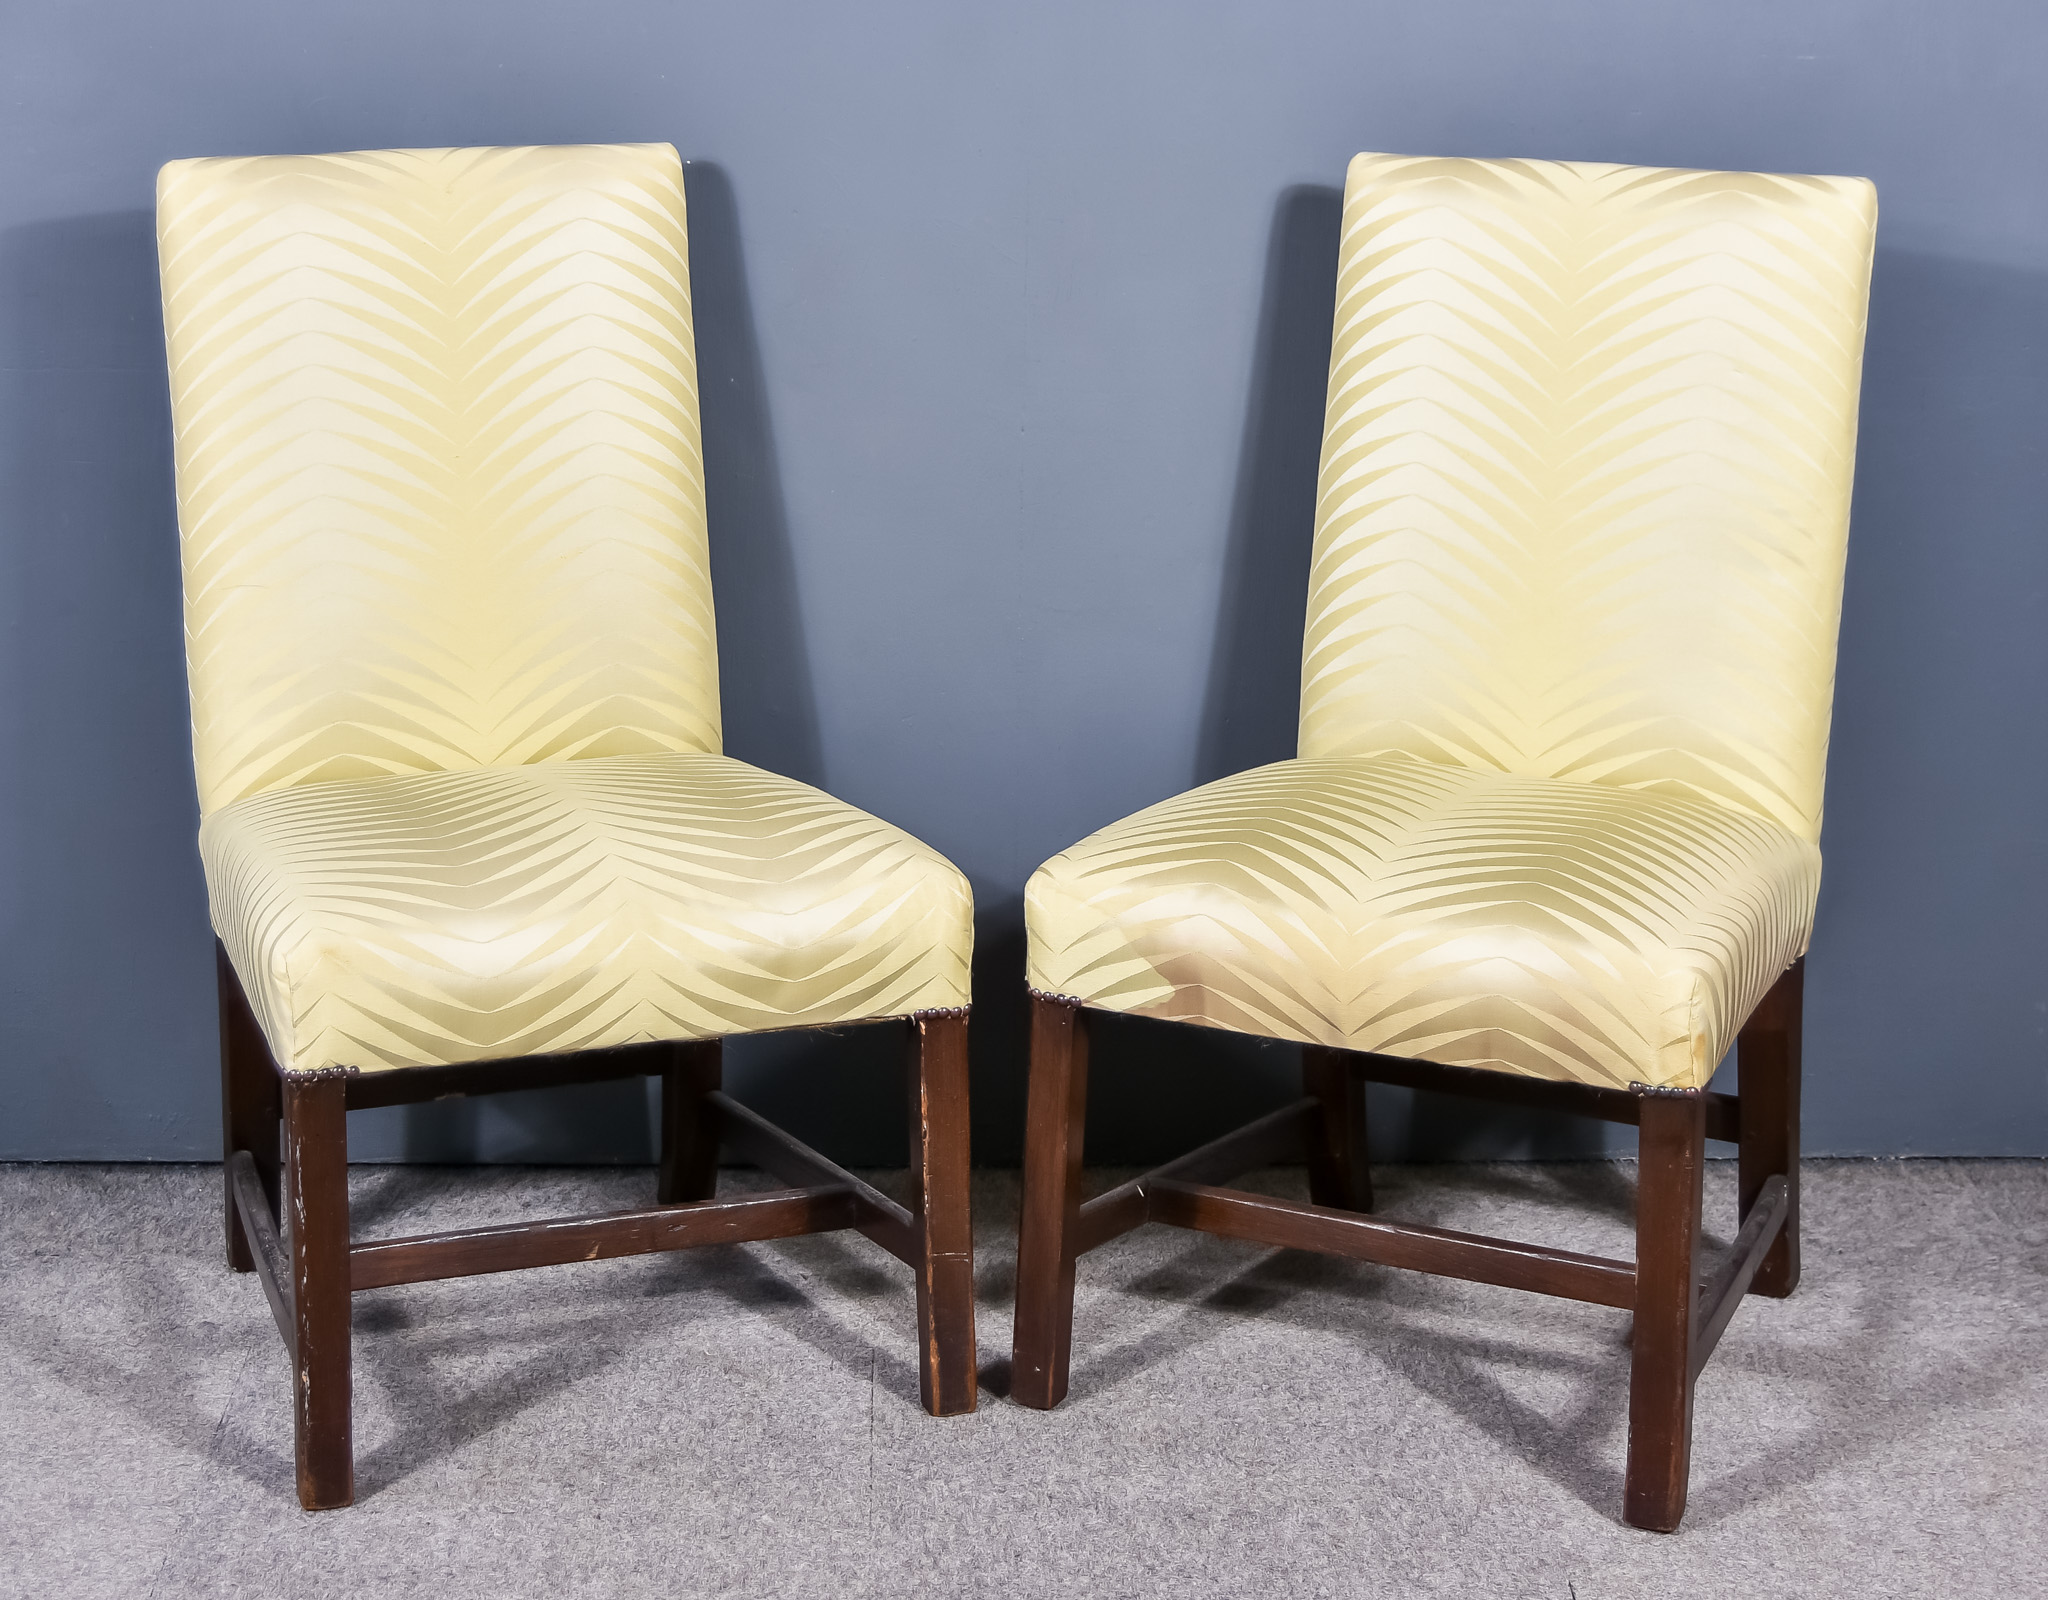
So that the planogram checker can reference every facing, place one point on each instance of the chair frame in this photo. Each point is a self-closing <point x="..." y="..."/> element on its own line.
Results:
<point x="285" y="1138"/>
<point x="1681" y="1305"/>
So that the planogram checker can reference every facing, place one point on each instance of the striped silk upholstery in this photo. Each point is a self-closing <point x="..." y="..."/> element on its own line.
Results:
<point x="1569" y="660"/>
<point x="449" y="628"/>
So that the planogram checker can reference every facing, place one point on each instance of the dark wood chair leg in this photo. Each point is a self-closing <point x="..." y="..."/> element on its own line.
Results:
<point x="315" y="1219"/>
<point x="1767" y="1059"/>
<point x="689" y="1125"/>
<point x="1054" y="1127"/>
<point x="251" y="1102"/>
<point x="940" y="1205"/>
<point x="1673" y="1145"/>
<point x="1338" y="1174"/>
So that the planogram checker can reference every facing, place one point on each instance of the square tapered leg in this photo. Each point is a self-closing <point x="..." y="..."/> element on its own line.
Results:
<point x="1048" y="1238"/>
<point x="1767" y="1059"/>
<point x="1337" y="1171"/>
<point x="315" y="1221"/>
<point x="251" y="1104"/>
<point x="1669" y="1192"/>
<point x="942" y="1212"/>
<point x="689" y="1122"/>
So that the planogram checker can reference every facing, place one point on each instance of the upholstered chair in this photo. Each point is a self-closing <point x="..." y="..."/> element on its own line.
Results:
<point x="455" y="717"/>
<point x="1551" y="836"/>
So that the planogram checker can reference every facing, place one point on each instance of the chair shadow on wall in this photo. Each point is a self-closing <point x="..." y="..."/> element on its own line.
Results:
<point x="106" y="1042"/>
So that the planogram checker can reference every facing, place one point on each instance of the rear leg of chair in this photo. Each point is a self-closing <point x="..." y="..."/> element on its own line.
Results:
<point x="689" y="1124"/>
<point x="1668" y="1196"/>
<point x="941" y="1211"/>
<point x="1055" y="1122"/>
<point x="251" y="1102"/>
<point x="1337" y="1171"/>
<point x="1767" y="1059"/>
<point x="315" y="1220"/>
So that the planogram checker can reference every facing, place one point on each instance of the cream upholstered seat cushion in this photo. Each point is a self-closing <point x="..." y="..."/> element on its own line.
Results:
<point x="571" y="905"/>
<point x="1569" y="658"/>
<point x="1412" y="908"/>
<point x="449" y="628"/>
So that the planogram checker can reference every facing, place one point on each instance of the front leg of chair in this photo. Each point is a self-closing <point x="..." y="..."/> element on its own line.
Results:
<point x="251" y="1102"/>
<point x="689" y="1125"/>
<point x="1767" y="1059"/>
<point x="315" y="1221"/>
<point x="1337" y="1170"/>
<point x="1055" y="1122"/>
<point x="942" y="1211"/>
<point x="1668" y="1196"/>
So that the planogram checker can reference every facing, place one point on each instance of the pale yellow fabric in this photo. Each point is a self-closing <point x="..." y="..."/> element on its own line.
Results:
<point x="1569" y="661"/>
<point x="449" y="628"/>
<point x="438" y="461"/>
<point x="1585" y="485"/>
<point x="570" y="905"/>
<point x="1566" y="930"/>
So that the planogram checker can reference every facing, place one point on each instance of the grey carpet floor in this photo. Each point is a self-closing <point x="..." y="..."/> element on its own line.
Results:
<point x="1242" y="1423"/>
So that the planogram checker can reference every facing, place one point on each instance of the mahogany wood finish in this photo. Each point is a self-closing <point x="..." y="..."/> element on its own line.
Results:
<point x="1767" y="1059"/>
<point x="749" y="1134"/>
<point x="945" y="1222"/>
<point x="1110" y="1215"/>
<point x="689" y="1126"/>
<point x="288" y="1219"/>
<point x="1577" y="1099"/>
<point x="1671" y="1165"/>
<point x="1048" y="1237"/>
<point x="1737" y="1271"/>
<point x="508" y="1247"/>
<point x="259" y="1227"/>
<point x="1337" y="1170"/>
<point x="413" y="1086"/>
<point x="1234" y="1214"/>
<point x="1277" y="1136"/>
<point x="251" y="1103"/>
<point x="316" y="1233"/>
<point x="1678" y="1318"/>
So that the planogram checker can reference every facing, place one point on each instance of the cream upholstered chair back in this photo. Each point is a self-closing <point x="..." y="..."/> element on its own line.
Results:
<point x="439" y="478"/>
<point x="1585" y="480"/>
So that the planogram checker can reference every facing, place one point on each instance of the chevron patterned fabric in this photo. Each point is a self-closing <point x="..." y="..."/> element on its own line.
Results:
<point x="1585" y="486"/>
<point x="1412" y="908"/>
<point x="573" y="905"/>
<point x="438" y="465"/>
<point x="1569" y="662"/>
<point x="450" y="635"/>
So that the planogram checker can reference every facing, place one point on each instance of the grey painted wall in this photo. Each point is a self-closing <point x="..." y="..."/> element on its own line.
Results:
<point x="1013" y="324"/>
